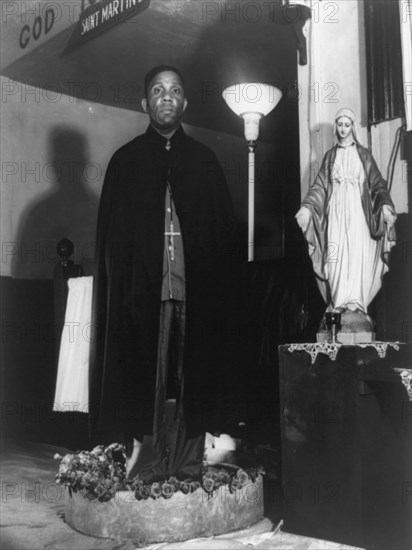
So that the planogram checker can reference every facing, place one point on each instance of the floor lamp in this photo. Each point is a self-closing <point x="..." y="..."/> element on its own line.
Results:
<point x="251" y="101"/>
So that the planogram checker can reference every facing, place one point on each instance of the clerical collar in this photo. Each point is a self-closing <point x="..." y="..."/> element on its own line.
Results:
<point x="155" y="137"/>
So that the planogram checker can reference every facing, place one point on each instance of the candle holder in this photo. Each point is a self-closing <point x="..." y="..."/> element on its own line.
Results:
<point x="333" y="324"/>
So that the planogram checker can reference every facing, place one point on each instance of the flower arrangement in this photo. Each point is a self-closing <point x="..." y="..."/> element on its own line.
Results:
<point x="100" y="473"/>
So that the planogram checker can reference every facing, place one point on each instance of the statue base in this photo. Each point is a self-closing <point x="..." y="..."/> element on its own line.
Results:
<point x="356" y="328"/>
<point x="347" y="338"/>
<point x="181" y="517"/>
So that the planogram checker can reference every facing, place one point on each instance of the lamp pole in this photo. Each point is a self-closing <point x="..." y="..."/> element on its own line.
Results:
<point x="251" y="101"/>
<point x="251" y="202"/>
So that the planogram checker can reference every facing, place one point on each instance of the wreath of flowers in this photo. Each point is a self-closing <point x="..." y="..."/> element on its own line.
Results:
<point x="100" y="473"/>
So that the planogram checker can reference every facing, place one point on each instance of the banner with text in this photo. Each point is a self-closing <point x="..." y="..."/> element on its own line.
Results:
<point x="101" y="16"/>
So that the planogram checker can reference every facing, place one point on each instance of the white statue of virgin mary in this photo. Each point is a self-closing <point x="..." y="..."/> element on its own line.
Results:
<point x="348" y="219"/>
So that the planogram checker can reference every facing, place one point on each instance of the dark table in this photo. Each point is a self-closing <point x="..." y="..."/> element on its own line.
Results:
<point x="346" y="447"/>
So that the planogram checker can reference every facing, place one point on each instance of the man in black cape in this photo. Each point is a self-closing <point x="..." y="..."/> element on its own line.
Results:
<point x="165" y="293"/>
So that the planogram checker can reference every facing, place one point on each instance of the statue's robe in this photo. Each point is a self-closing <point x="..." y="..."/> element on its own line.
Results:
<point x="338" y="270"/>
<point x="127" y="289"/>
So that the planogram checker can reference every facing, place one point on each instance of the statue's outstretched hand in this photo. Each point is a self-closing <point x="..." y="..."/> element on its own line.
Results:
<point x="303" y="218"/>
<point x="388" y="216"/>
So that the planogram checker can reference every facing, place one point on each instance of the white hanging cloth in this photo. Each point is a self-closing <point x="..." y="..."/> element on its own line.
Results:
<point x="72" y="385"/>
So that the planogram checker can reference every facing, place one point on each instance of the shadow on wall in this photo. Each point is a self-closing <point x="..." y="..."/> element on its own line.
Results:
<point x="317" y="154"/>
<point x="68" y="210"/>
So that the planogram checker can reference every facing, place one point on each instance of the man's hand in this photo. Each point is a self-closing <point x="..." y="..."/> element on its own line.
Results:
<point x="303" y="218"/>
<point x="388" y="216"/>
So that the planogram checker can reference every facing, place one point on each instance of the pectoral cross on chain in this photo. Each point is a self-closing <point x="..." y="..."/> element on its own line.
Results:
<point x="171" y="234"/>
<point x="171" y="239"/>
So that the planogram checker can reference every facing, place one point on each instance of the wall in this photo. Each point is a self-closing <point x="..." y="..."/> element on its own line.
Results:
<point x="335" y="77"/>
<point x="53" y="163"/>
<point x="55" y="147"/>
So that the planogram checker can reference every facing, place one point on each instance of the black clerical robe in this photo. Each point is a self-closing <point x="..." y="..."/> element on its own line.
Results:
<point x="127" y="287"/>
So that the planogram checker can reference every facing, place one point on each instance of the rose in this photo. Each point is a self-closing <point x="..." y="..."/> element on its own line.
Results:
<point x="253" y="475"/>
<point x="86" y="479"/>
<point x="142" y="492"/>
<point x="175" y="483"/>
<point x="255" y="472"/>
<point x="137" y="488"/>
<point x="242" y="477"/>
<point x="208" y="484"/>
<point x="186" y="487"/>
<point x="234" y="485"/>
<point x="114" y="447"/>
<point x="98" y="450"/>
<point x="167" y="490"/>
<point x="135" y="482"/>
<point x="83" y="458"/>
<point x="155" y="490"/>
<point x="67" y="459"/>
<point x="211" y="474"/>
<point x="63" y="469"/>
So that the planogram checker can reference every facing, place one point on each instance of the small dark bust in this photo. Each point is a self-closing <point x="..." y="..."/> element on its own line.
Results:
<point x="65" y="249"/>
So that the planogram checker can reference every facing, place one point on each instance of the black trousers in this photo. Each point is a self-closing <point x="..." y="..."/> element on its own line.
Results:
<point x="167" y="452"/>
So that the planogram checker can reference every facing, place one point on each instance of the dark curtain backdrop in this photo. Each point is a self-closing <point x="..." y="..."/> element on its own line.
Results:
<point x="384" y="60"/>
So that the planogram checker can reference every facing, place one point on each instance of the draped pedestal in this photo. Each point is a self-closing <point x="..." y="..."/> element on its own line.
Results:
<point x="345" y="442"/>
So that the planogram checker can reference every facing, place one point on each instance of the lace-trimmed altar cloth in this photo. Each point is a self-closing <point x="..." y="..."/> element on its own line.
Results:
<point x="331" y="349"/>
<point x="72" y="385"/>
<point x="406" y="377"/>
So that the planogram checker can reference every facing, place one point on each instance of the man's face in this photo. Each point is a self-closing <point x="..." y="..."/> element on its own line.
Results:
<point x="165" y="102"/>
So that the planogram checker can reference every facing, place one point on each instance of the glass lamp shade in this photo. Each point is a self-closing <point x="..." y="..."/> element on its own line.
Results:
<point x="252" y="101"/>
